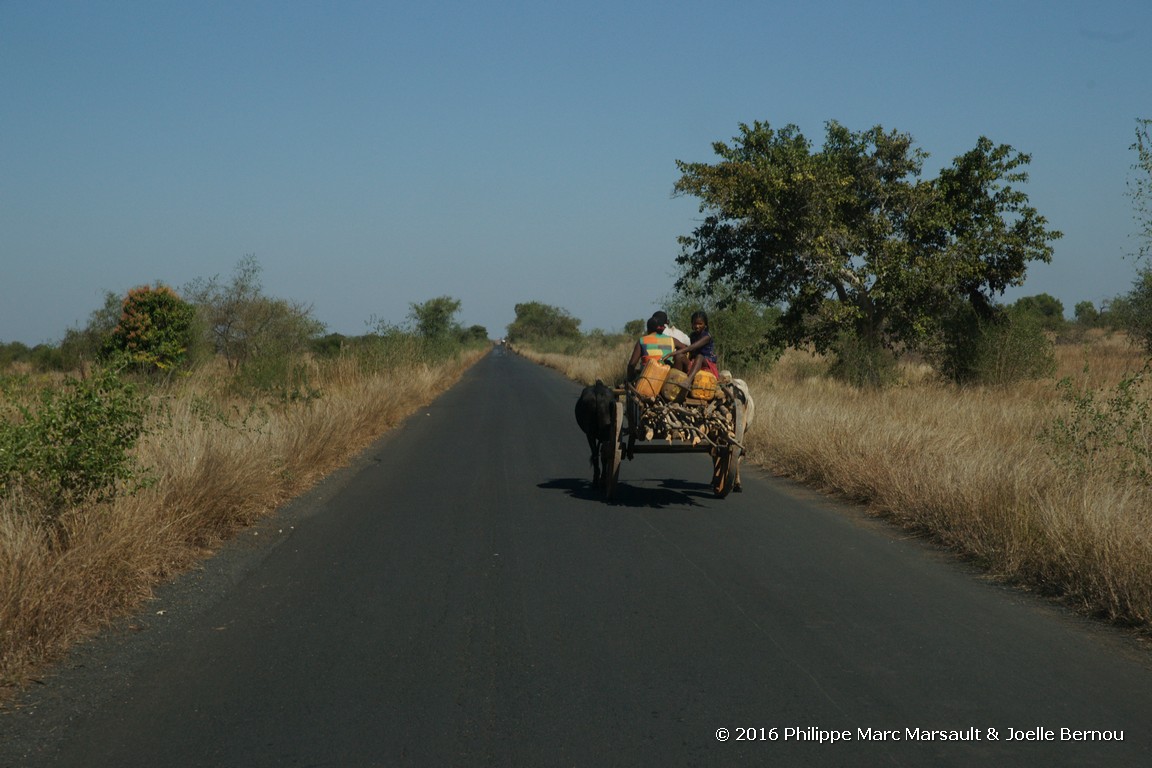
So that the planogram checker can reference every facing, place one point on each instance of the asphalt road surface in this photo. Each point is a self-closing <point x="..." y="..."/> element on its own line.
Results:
<point x="459" y="597"/>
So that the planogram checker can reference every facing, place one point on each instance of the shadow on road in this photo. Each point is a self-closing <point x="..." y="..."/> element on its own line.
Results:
<point x="670" y="493"/>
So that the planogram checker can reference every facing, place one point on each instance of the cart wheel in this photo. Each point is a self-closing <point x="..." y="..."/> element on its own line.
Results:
<point x="633" y="425"/>
<point x="613" y="473"/>
<point x="724" y="473"/>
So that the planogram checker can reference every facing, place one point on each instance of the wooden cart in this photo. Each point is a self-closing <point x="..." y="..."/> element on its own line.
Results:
<point x="683" y="425"/>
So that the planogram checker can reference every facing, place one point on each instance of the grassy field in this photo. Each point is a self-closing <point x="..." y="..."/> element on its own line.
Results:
<point x="216" y="462"/>
<point x="1043" y="484"/>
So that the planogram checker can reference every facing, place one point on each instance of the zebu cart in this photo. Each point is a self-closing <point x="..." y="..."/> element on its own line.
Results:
<point x="666" y="418"/>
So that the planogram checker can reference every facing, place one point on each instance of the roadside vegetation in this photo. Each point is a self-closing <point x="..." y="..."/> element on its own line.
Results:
<point x="862" y="304"/>
<point x="174" y="420"/>
<point x="1044" y="482"/>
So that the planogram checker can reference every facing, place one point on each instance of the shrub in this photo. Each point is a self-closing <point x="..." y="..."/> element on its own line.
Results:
<point x="281" y="377"/>
<point x="1136" y="316"/>
<point x="243" y="324"/>
<point x="1044" y="309"/>
<point x="81" y="346"/>
<point x="862" y="364"/>
<point x="1003" y="348"/>
<point x="155" y="328"/>
<point x="1106" y="433"/>
<point x="75" y="444"/>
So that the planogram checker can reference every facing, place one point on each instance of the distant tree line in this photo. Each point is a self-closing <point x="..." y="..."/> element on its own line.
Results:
<point x="157" y="330"/>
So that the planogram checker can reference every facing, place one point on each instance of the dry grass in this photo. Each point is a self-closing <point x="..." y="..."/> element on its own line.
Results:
<point x="966" y="467"/>
<point x="609" y="367"/>
<point x="218" y="467"/>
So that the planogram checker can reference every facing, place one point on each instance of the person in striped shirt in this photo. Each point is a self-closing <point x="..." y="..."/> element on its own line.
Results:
<point x="653" y="345"/>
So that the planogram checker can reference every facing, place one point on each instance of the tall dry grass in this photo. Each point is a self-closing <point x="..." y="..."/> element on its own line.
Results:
<point x="218" y="464"/>
<point x="608" y="366"/>
<point x="968" y="467"/>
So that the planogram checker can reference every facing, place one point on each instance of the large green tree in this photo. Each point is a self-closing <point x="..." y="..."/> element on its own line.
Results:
<point x="850" y="237"/>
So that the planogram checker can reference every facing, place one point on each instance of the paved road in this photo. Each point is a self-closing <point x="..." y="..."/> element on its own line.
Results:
<point x="458" y="597"/>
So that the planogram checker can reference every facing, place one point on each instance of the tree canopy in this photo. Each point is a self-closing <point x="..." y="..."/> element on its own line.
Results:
<point x="436" y="318"/>
<point x="1045" y="309"/>
<point x="155" y="327"/>
<point x="243" y="323"/>
<point x="851" y="237"/>
<point x="535" y="321"/>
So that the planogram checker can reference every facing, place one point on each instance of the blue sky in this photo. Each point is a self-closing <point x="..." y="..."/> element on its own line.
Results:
<point x="376" y="154"/>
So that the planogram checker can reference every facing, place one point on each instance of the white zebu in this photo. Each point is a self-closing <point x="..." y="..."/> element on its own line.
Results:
<point x="749" y="410"/>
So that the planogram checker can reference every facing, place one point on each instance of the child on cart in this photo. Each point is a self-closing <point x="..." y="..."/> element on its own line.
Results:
<point x="701" y="351"/>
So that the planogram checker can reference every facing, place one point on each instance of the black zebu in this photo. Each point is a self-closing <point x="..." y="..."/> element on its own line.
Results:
<point x="595" y="411"/>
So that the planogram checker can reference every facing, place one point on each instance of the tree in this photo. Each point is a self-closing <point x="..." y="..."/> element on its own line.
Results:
<point x="850" y="237"/>
<point x="1115" y="313"/>
<point x="243" y="324"/>
<point x="155" y="327"/>
<point x="13" y="352"/>
<point x="1135" y="309"/>
<point x="1046" y="310"/>
<point x="86" y="345"/>
<point x="1140" y="187"/>
<point x="1086" y="314"/>
<point x="435" y="319"/>
<point x="474" y="334"/>
<point x="535" y="321"/>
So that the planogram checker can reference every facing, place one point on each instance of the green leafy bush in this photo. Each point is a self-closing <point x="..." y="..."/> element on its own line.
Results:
<point x="1044" y="309"/>
<point x="155" y="328"/>
<point x="75" y="443"/>
<point x="1134" y="310"/>
<point x="861" y="364"/>
<point x="283" y="377"/>
<point x="1001" y="349"/>
<point x="1105" y="433"/>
